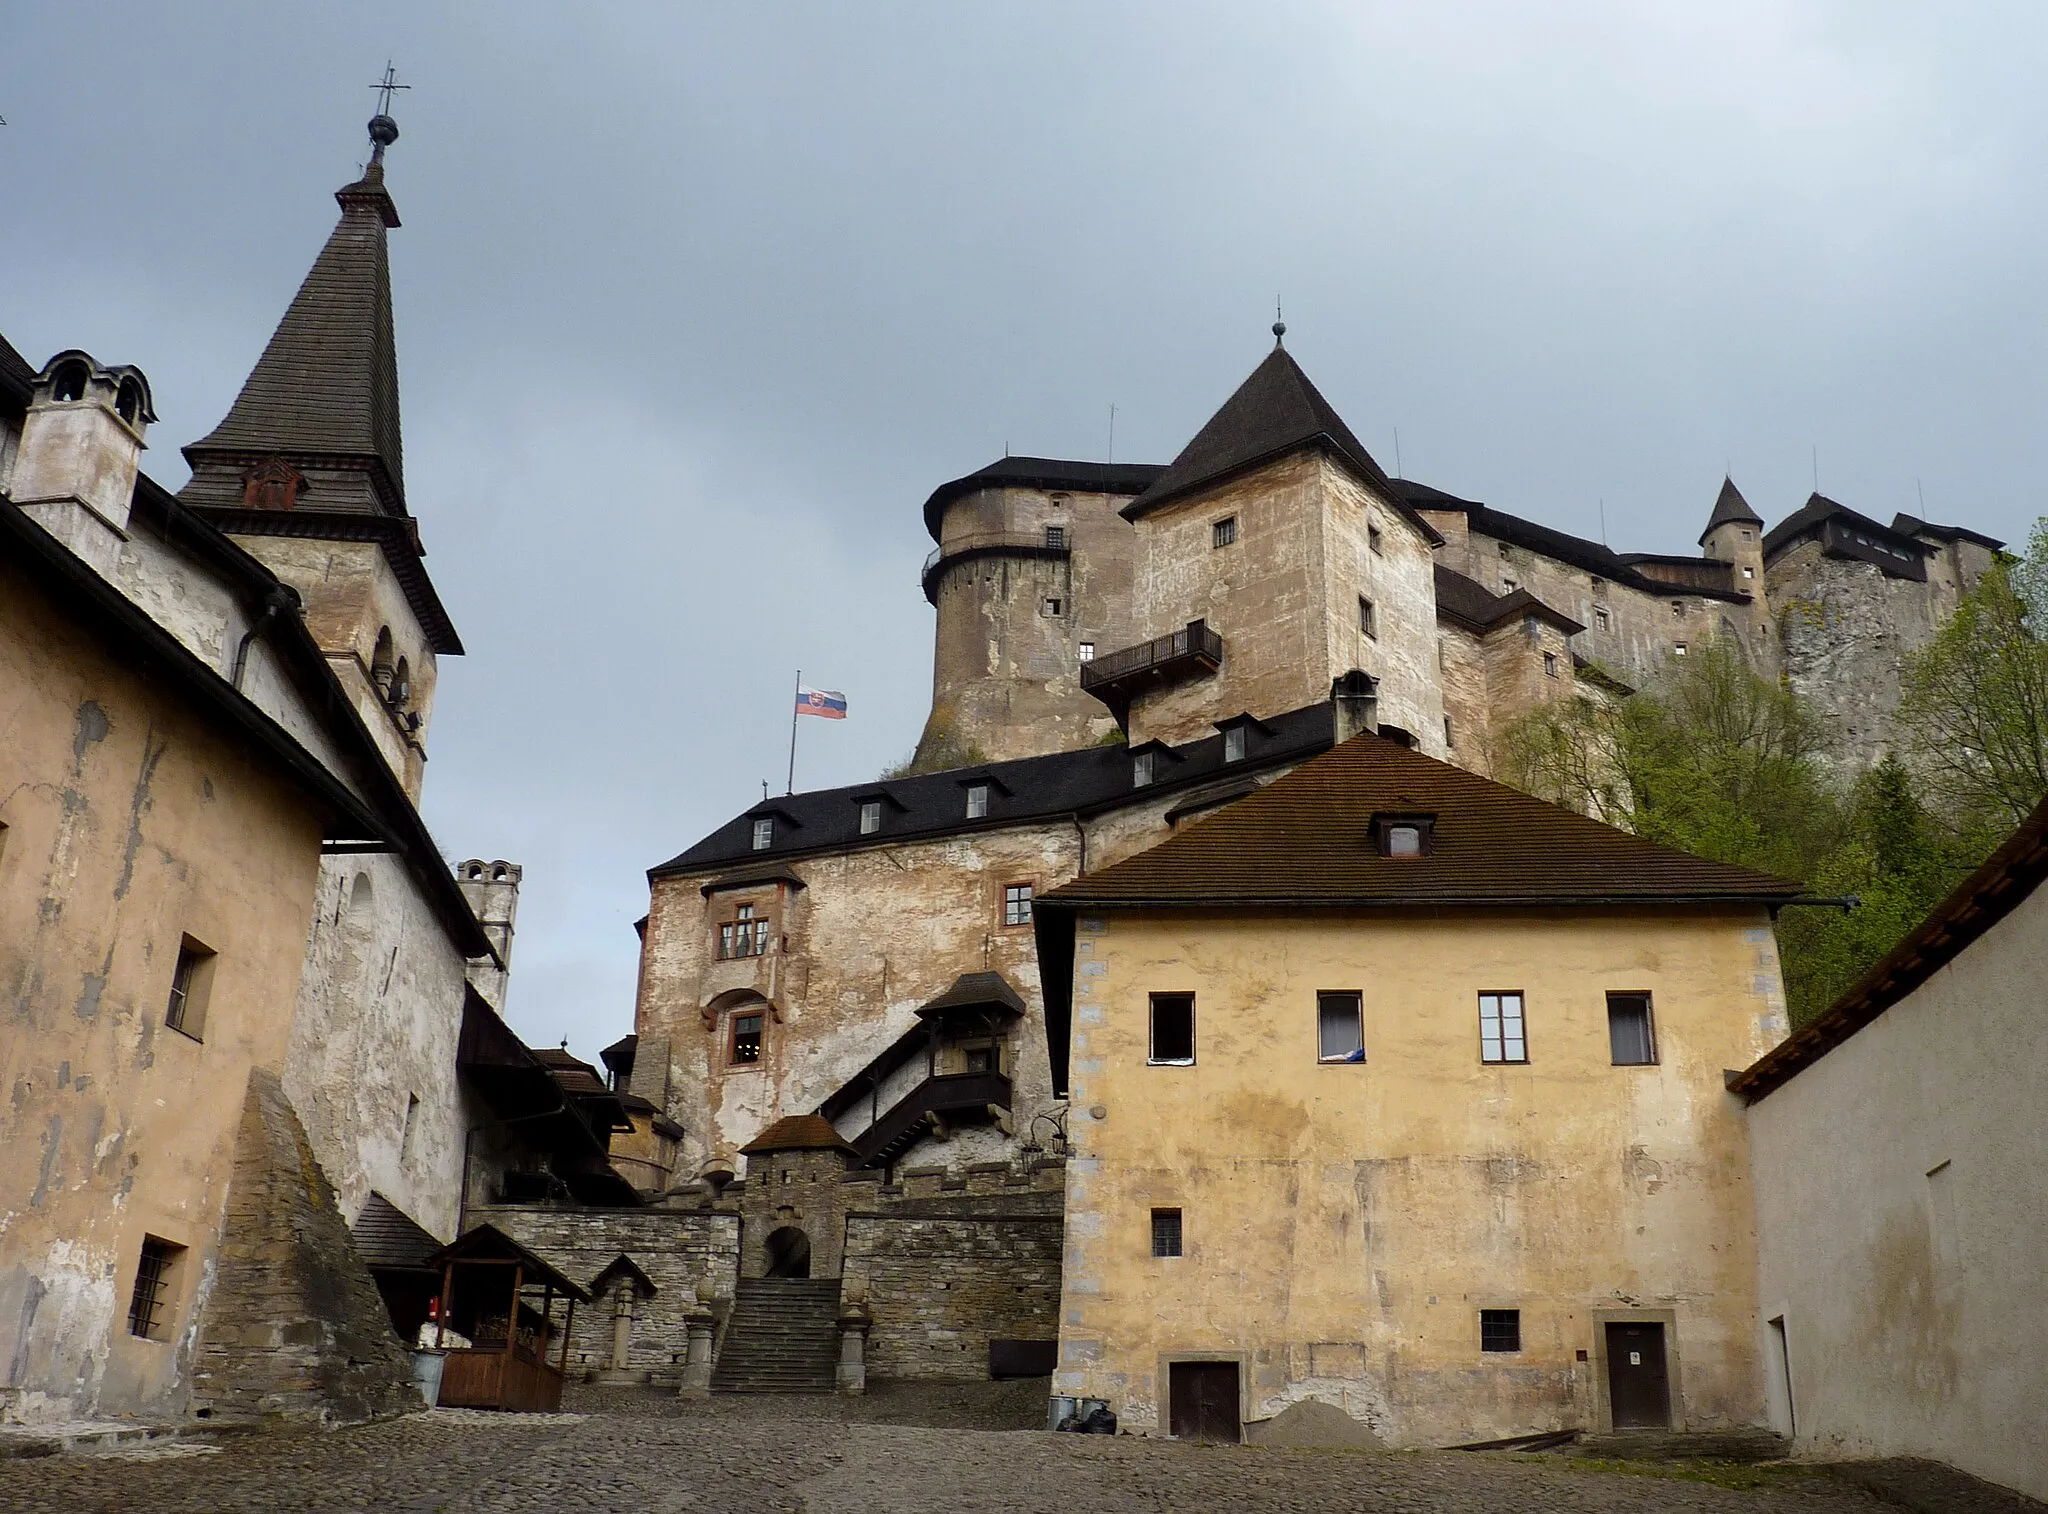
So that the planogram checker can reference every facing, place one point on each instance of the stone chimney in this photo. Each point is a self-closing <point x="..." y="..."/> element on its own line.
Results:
<point x="492" y="889"/>
<point x="1355" y="704"/>
<point x="81" y="448"/>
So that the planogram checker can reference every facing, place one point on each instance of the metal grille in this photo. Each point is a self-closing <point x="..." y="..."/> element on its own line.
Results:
<point x="1166" y="1232"/>
<point x="1500" y="1329"/>
<point x="1017" y="904"/>
<point x="151" y="1275"/>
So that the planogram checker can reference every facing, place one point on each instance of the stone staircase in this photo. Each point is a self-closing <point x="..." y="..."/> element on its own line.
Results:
<point x="783" y="1337"/>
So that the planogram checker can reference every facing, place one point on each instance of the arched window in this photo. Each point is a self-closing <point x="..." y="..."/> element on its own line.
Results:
<point x="381" y="669"/>
<point x="128" y="401"/>
<point x="70" y="381"/>
<point x="361" y="895"/>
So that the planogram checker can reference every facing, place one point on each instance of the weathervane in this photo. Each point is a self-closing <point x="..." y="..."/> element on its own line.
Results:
<point x="384" y="130"/>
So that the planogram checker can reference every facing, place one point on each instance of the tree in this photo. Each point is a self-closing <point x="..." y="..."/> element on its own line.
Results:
<point x="1975" y="699"/>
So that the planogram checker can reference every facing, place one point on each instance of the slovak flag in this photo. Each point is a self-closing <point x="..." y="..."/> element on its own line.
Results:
<point x="827" y="703"/>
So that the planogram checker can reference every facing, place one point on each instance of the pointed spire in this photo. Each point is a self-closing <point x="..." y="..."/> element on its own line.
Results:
<point x="1729" y="508"/>
<point x="324" y="395"/>
<point x="1274" y="412"/>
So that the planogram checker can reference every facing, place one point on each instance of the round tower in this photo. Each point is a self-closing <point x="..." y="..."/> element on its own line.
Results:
<point x="1735" y="536"/>
<point x="1031" y="578"/>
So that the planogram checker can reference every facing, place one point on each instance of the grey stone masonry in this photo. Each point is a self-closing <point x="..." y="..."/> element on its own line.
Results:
<point x="293" y="1327"/>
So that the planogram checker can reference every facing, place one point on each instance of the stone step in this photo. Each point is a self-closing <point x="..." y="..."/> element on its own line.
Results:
<point x="1680" y="1445"/>
<point x="783" y="1337"/>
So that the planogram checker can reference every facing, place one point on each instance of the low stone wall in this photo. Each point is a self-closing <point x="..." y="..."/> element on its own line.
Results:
<point x="676" y="1248"/>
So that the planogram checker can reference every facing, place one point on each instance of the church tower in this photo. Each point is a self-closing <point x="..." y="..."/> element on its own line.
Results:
<point x="306" y="473"/>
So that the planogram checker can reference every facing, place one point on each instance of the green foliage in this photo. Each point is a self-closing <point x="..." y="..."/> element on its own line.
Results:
<point x="1976" y="700"/>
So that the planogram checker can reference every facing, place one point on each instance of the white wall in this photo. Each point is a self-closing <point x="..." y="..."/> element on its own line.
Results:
<point x="1912" y="1303"/>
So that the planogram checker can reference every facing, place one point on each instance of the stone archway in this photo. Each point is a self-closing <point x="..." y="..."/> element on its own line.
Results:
<point x="789" y="1252"/>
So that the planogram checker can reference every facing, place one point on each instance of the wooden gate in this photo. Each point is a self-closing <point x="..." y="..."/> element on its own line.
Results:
<point x="1202" y="1402"/>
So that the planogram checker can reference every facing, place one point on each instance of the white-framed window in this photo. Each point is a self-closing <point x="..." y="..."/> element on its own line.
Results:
<point x="1087" y="651"/>
<point x="1233" y="744"/>
<point x="1141" y="770"/>
<point x="764" y="833"/>
<point x="1599" y="618"/>
<point x="1340" y="1026"/>
<point x="870" y="816"/>
<point x="977" y="800"/>
<point x="1502" y="1035"/>
<point x="1224" y="532"/>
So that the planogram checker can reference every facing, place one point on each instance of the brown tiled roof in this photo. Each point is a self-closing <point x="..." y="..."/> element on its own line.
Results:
<point x="327" y="385"/>
<point x="1979" y="902"/>
<point x="1273" y="413"/>
<point x="797" y="1132"/>
<point x="1306" y="840"/>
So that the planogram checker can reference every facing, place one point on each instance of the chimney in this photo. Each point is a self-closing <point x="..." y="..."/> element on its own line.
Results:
<point x="1354" y="704"/>
<point x="492" y="889"/>
<point x="81" y="448"/>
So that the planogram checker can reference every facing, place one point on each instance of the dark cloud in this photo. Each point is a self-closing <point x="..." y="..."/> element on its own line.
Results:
<point x="697" y="303"/>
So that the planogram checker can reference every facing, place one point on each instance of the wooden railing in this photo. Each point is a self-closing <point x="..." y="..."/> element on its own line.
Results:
<point x="991" y="544"/>
<point x="943" y="1094"/>
<point x="1193" y="645"/>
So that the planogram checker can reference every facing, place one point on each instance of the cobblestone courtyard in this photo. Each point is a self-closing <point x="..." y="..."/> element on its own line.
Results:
<point x="824" y="1456"/>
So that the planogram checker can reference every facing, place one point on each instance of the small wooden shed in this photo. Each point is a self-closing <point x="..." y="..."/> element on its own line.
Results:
<point x="490" y="1286"/>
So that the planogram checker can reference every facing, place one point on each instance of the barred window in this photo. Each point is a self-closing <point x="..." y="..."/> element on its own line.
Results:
<point x="1166" y="1232"/>
<point x="1224" y="532"/>
<point x="152" y="1283"/>
<point x="1500" y="1329"/>
<point x="191" y="978"/>
<point x="1055" y="536"/>
<point x="1017" y="904"/>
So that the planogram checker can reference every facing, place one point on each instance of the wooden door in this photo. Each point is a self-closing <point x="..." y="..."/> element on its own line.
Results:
<point x="1202" y="1401"/>
<point x="1638" y="1387"/>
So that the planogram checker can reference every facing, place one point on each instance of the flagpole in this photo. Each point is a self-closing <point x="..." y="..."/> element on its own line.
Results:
<point x="792" y="728"/>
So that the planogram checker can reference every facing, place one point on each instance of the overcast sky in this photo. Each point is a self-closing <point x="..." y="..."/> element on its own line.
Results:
<point x="696" y="303"/>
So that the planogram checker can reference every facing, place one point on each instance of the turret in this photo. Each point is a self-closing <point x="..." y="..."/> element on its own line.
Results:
<point x="81" y="448"/>
<point x="1735" y="535"/>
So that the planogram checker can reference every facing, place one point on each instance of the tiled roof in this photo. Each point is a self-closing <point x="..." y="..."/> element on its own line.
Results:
<point x="1274" y="412"/>
<point x="17" y="376"/>
<point x="386" y="1236"/>
<point x="1729" y="507"/>
<point x="1305" y="839"/>
<point x="1049" y="473"/>
<point x="974" y="991"/>
<point x="1472" y="604"/>
<point x="1025" y="791"/>
<point x="797" y="1132"/>
<point x="327" y="384"/>
<point x="1912" y="525"/>
<point x="1819" y="509"/>
<point x="2007" y="877"/>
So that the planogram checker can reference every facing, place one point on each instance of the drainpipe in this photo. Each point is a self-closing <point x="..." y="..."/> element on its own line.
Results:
<point x="275" y="603"/>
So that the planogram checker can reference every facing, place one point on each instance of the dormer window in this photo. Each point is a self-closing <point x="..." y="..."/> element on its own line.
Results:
<point x="870" y="816"/>
<point x="764" y="833"/>
<point x="977" y="801"/>
<point x="1403" y="836"/>
<point x="1233" y="744"/>
<point x="1141" y="770"/>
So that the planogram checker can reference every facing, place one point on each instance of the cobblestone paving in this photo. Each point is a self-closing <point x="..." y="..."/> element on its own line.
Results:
<point x="805" y="1457"/>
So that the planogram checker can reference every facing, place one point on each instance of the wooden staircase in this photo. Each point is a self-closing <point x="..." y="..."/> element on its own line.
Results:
<point x="783" y="1337"/>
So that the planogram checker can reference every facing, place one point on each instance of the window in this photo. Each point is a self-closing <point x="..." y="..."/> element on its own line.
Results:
<point x="1502" y="547"/>
<point x="1141" y="770"/>
<point x="1501" y="1038"/>
<point x="1340" y="1027"/>
<point x="1628" y="1030"/>
<point x="1550" y="664"/>
<point x="870" y="816"/>
<point x="1450" y="742"/>
<point x="1224" y="532"/>
<point x="1055" y="536"/>
<point x="1166" y="1232"/>
<point x="1052" y="606"/>
<point x="1233" y="744"/>
<point x="764" y="833"/>
<point x="1367" y="621"/>
<point x="1599" y="618"/>
<point x="69" y="382"/>
<point x="1443" y="657"/>
<point x="1678" y="609"/>
<point x="977" y="800"/>
<point x="1372" y="536"/>
<point x="980" y="1059"/>
<point x="1747" y="534"/>
<point x="746" y="1037"/>
<point x="381" y="657"/>
<point x="1678" y="649"/>
<point x="1017" y="904"/>
<point x="412" y="1113"/>
<point x="128" y="401"/>
<point x="1749" y="572"/>
<point x="1500" y="1329"/>
<point x="1508" y="585"/>
<point x="1404" y="841"/>
<point x="191" y="979"/>
<point x="1173" y="1030"/>
<point x="1402" y="835"/>
<point x="745" y="935"/>
<point x="1087" y="651"/>
<point x="152" y="1281"/>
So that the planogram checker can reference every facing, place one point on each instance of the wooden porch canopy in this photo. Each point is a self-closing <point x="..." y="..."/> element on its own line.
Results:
<point x="488" y="1282"/>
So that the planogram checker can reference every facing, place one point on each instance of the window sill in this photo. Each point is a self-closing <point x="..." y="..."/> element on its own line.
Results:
<point x="197" y="1040"/>
<point x="1349" y="1060"/>
<point x="1169" y="1061"/>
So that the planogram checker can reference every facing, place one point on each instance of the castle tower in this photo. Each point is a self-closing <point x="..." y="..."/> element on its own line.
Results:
<point x="1030" y="578"/>
<point x="1279" y="534"/>
<point x="1735" y="535"/>
<point x="306" y="473"/>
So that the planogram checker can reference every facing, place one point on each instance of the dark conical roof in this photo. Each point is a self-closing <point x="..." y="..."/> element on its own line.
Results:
<point x="1730" y="506"/>
<point x="1274" y="412"/>
<point x="326" y="388"/>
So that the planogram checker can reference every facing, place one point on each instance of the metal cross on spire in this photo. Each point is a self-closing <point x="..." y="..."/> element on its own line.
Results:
<point x="385" y="87"/>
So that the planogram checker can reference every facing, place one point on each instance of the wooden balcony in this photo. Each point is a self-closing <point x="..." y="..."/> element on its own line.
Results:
<point x="1194" y="651"/>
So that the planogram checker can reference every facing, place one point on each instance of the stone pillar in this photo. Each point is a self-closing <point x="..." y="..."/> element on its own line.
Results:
<point x="622" y="1323"/>
<point x="697" y="1325"/>
<point x="854" y="1324"/>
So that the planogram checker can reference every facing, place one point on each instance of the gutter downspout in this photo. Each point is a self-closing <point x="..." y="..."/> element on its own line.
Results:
<point x="275" y="603"/>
